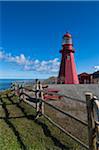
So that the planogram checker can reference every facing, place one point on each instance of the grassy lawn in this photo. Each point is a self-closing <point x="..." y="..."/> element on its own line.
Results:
<point x="19" y="130"/>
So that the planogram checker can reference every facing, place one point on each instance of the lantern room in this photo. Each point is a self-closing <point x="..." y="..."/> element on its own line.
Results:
<point x="67" y="39"/>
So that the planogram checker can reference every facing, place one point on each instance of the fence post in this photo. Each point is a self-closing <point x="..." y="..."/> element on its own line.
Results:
<point x="96" y="118"/>
<point x="20" y="92"/>
<point x="37" y="95"/>
<point x="12" y="88"/>
<point x="91" y="122"/>
<point x="23" y="90"/>
<point x="42" y="97"/>
<point x="15" y="88"/>
<point x="18" y="89"/>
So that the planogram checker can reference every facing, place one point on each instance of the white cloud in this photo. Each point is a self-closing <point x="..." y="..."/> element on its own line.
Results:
<point x="21" y="59"/>
<point x="96" y="68"/>
<point x="1" y="55"/>
<point x="48" y="66"/>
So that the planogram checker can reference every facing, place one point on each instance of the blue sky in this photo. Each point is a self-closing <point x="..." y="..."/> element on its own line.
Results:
<point x="31" y="36"/>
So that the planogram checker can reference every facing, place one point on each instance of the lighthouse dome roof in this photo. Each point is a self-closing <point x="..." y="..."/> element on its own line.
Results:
<point x="67" y="35"/>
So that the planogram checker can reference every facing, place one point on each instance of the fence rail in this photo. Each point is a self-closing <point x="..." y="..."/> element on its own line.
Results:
<point x="62" y="95"/>
<point x="92" y="105"/>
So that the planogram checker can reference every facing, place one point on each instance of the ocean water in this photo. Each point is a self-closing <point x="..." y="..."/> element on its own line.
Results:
<point x="6" y="83"/>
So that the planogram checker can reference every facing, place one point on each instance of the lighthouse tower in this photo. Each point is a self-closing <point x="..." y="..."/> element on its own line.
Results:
<point x="67" y="72"/>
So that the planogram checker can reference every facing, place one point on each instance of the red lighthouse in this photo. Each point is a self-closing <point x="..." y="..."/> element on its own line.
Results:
<point x="67" y="72"/>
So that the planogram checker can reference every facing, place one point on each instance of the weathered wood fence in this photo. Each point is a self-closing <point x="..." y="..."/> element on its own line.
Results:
<point x="92" y="106"/>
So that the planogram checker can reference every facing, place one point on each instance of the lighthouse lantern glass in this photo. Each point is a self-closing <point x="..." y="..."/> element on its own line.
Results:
<point x="67" y="40"/>
<point x="63" y="42"/>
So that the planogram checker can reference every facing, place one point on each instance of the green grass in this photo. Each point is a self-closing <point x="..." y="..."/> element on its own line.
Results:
<point x="19" y="130"/>
<point x="77" y="129"/>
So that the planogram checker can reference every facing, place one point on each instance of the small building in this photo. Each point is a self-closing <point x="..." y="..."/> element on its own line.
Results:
<point x="84" y="78"/>
<point x="96" y="77"/>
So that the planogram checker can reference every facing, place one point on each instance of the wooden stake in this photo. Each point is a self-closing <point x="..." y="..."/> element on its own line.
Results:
<point x="42" y="97"/>
<point x="91" y="122"/>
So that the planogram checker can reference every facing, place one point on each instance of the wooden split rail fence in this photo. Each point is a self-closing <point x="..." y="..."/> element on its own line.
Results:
<point x="92" y="105"/>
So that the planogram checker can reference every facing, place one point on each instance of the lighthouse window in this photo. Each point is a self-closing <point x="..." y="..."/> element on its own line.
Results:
<point x="68" y="57"/>
<point x="66" y="46"/>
